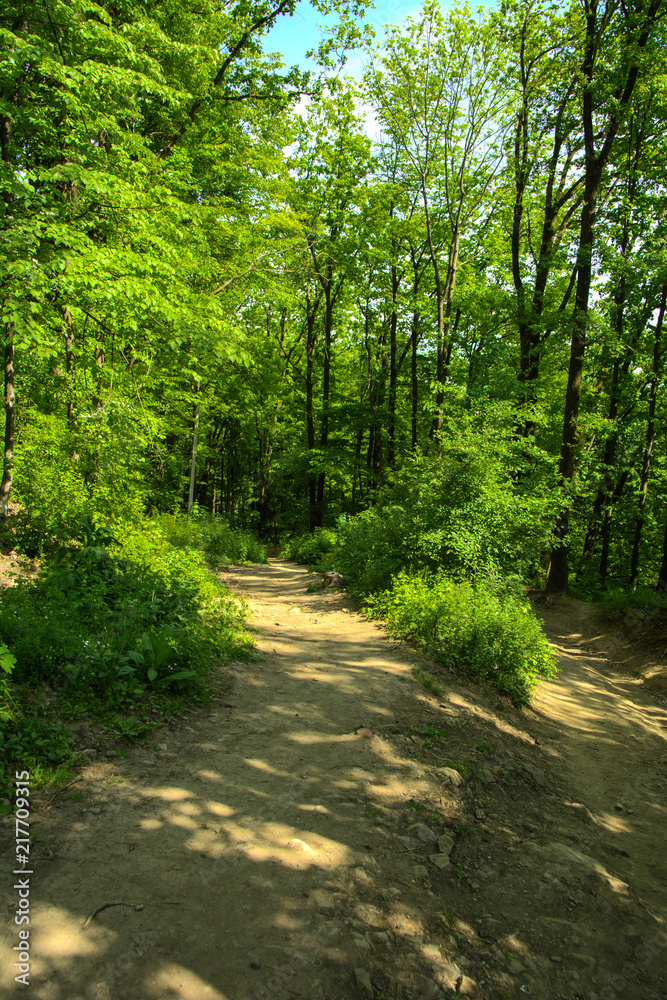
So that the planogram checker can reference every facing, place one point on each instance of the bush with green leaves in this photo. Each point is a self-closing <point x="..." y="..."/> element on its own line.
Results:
<point x="469" y="515"/>
<point x="114" y="622"/>
<point x="64" y="474"/>
<point x="311" y="550"/>
<point x="213" y="536"/>
<point x="486" y="636"/>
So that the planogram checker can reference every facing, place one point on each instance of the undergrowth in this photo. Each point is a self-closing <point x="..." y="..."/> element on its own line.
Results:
<point x="315" y="550"/>
<point x="481" y="634"/>
<point x="109" y="626"/>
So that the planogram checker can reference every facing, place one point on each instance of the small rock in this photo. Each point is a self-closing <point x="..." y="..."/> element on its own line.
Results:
<point x="428" y="989"/>
<point x="440" y="861"/>
<point x="515" y="967"/>
<point x="445" y="844"/>
<point x="555" y="959"/>
<point x="381" y="937"/>
<point x="409" y="843"/>
<point x="479" y="814"/>
<point x="451" y="775"/>
<point x="363" y="982"/>
<point x="423" y="833"/>
<point x="585" y="959"/>
<point x="536" y="773"/>
<point x="255" y="963"/>
<point x="366" y="733"/>
<point x="432" y="952"/>
<point x="361" y="942"/>
<point x="487" y="776"/>
<point x="469" y="988"/>
<point x="419" y="871"/>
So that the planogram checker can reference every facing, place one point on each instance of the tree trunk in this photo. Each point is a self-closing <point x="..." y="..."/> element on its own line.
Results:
<point x="10" y="418"/>
<point x="310" y="421"/>
<point x="70" y="368"/>
<point x="661" y="586"/>
<point x="193" y="463"/>
<point x="595" y="164"/>
<point x="393" y="372"/>
<point x="648" y="447"/>
<point x="326" y="386"/>
<point x="99" y="368"/>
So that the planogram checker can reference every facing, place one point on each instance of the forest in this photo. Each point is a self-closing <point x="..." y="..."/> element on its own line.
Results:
<point x="406" y="324"/>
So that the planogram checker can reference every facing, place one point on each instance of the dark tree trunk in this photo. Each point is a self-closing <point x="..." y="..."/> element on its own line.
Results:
<point x="311" y="313"/>
<point x="648" y="447"/>
<point x="393" y="370"/>
<point x="595" y="163"/>
<point x="414" y="384"/>
<point x="661" y="586"/>
<point x="10" y="418"/>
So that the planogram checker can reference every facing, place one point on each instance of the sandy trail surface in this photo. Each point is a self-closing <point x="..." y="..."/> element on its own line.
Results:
<point x="330" y="829"/>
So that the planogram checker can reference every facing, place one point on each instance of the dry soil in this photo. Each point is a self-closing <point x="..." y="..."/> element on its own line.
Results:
<point x="329" y="828"/>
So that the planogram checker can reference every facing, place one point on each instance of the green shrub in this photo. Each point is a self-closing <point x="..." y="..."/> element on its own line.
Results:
<point x="64" y="474"/>
<point x="115" y="626"/>
<point x="311" y="550"/>
<point x="463" y="515"/>
<point x="212" y="536"/>
<point x="467" y="628"/>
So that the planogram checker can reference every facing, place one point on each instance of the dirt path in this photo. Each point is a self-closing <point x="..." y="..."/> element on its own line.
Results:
<point x="266" y="849"/>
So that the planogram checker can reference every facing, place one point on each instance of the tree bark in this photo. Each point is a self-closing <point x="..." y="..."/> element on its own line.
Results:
<point x="193" y="462"/>
<point x="595" y="163"/>
<point x="10" y="419"/>
<point x="648" y="447"/>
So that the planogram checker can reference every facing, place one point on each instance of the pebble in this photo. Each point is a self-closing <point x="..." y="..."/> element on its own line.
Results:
<point x="440" y="861"/>
<point x="361" y="942"/>
<point x="428" y="989"/>
<point x="450" y="774"/>
<point x="445" y="844"/>
<point x="585" y="959"/>
<point x="423" y="833"/>
<point x="363" y="982"/>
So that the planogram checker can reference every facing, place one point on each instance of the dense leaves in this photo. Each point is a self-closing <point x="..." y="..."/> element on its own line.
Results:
<point x="423" y="310"/>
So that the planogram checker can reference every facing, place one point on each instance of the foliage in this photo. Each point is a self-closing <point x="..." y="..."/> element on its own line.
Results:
<point x="211" y="535"/>
<point x="311" y="550"/>
<point x="464" y="514"/>
<point x="475" y="632"/>
<point x="65" y="475"/>
<point x="112" y="626"/>
<point x="109" y="625"/>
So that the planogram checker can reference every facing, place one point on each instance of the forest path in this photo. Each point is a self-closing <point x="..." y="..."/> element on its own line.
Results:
<point x="265" y="849"/>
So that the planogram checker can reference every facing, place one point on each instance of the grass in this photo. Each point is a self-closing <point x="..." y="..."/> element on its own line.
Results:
<point x="426" y="680"/>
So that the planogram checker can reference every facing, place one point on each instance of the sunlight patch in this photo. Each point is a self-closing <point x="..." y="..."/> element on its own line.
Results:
<point x="182" y="983"/>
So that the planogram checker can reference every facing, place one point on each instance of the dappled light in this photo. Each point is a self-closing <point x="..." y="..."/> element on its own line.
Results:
<point x="277" y="846"/>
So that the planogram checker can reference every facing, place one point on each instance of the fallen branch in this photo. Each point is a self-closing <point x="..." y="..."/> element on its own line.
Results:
<point x="105" y="906"/>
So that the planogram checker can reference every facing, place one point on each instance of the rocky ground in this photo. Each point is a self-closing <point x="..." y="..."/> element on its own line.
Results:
<point x="331" y="828"/>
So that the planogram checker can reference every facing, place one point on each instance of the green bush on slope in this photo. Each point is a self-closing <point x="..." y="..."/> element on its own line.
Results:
<point x="484" y="635"/>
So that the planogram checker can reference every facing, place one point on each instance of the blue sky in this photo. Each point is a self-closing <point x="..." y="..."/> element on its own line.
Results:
<point x="293" y="36"/>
